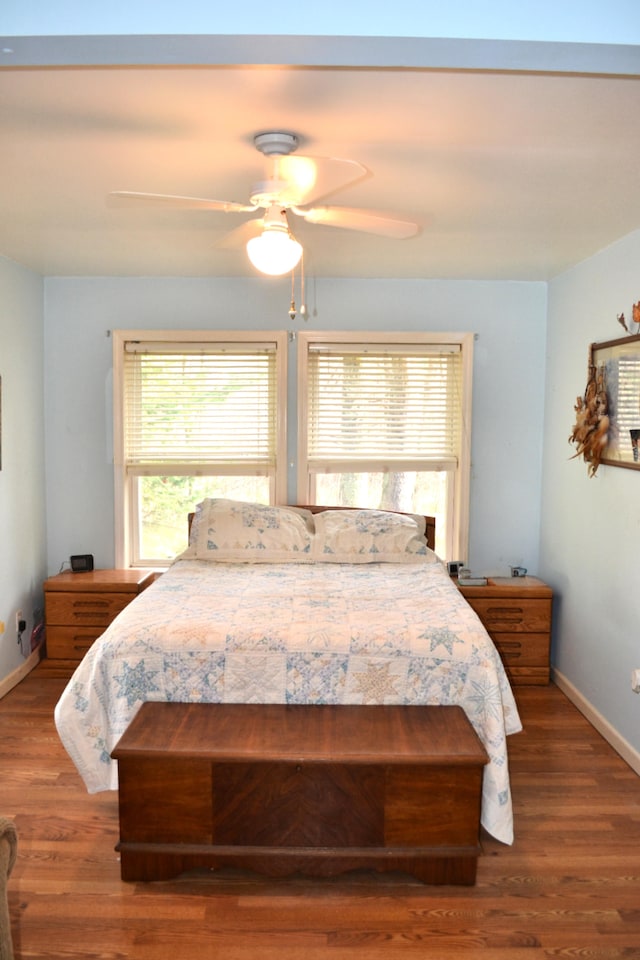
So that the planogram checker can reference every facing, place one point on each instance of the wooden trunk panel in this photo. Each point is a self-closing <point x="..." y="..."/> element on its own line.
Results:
<point x="148" y="862"/>
<point x="167" y="802"/>
<point x="297" y="805"/>
<point x="296" y="733"/>
<point x="432" y="806"/>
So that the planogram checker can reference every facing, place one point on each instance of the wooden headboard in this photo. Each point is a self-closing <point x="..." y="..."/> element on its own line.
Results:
<point x="430" y="529"/>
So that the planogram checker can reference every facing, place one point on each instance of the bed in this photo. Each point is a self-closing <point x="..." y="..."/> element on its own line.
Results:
<point x="288" y="605"/>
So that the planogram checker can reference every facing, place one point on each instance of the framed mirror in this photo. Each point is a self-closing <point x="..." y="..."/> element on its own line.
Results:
<point x="619" y="360"/>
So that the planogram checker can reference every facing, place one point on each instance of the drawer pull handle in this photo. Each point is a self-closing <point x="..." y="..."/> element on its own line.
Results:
<point x="502" y="614"/>
<point x="510" y="651"/>
<point x="96" y="619"/>
<point x="91" y="604"/>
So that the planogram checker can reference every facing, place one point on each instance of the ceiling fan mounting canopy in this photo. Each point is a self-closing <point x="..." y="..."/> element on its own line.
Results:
<point x="276" y="144"/>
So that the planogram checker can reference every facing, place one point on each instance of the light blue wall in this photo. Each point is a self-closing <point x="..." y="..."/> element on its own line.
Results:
<point x="591" y="527"/>
<point x="22" y="481"/>
<point x="509" y="319"/>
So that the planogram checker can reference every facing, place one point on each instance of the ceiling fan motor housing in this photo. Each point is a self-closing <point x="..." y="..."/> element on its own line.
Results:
<point x="267" y="192"/>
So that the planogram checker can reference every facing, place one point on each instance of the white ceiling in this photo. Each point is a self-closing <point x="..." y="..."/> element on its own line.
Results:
<point x="511" y="174"/>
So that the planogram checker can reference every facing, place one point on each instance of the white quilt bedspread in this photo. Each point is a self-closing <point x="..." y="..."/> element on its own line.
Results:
<point x="225" y="632"/>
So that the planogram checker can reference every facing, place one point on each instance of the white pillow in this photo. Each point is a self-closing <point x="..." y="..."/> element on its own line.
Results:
<point x="370" y="536"/>
<point x="233" y="530"/>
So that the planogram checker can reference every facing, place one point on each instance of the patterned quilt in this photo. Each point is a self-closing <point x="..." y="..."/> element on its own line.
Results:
<point x="293" y="633"/>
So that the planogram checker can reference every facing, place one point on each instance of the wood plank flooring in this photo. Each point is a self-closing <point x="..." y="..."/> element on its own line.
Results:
<point x="568" y="888"/>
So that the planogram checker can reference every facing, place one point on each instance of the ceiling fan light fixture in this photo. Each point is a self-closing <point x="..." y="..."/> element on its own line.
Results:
<point x="275" y="251"/>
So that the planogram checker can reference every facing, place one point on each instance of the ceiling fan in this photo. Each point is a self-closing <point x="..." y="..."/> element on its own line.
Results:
<point x="293" y="184"/>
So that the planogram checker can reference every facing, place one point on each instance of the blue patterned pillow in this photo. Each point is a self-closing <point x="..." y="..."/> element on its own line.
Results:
<point x="370" y="536"/>
<point x="234" y="530"/>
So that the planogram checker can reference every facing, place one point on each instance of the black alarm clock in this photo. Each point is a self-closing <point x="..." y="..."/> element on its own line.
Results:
<point x="81" y="562"/>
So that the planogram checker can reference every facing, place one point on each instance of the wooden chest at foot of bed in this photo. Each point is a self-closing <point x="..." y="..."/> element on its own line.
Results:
<point x="317" y="790"/>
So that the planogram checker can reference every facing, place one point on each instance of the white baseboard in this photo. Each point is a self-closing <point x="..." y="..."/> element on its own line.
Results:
<point x="21" y="672"/>
<point x="595" y="718"/>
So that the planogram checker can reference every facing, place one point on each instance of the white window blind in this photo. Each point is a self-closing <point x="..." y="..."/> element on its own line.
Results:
<point x="199" y="404"/>
<point x="382" y="403"/>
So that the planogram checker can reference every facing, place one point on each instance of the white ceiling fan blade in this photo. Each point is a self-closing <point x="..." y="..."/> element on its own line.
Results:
<point x="367" y="221"/>
<point x="119" y="197"/>
<point x="310" y="178"/>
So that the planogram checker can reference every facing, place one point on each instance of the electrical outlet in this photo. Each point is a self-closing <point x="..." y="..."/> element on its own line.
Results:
<point x="19" y="619"/>
<point x="635" y="680"/>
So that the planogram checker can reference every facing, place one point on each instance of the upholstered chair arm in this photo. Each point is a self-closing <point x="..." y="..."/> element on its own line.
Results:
<point x="8" y="852"/>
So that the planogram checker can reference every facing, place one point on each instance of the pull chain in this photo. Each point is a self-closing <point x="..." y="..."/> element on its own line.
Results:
<point x="292" y="305"/>
<point x="303" y="302"/>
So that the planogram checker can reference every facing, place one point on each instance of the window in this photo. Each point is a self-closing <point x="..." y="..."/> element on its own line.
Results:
<point x="196" y="414"/>
<point x="383" y="423"/>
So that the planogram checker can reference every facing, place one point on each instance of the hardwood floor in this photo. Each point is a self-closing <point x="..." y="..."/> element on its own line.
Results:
<point x="568" y="888"/>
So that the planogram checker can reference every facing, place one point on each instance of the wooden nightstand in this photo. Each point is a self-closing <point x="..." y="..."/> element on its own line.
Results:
<point x="79" y="606"/>
<point x="516" y="612"/>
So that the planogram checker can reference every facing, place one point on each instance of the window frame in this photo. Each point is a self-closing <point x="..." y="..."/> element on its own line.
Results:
<point x="125" y="480"/>
<point x="457" y="537"/>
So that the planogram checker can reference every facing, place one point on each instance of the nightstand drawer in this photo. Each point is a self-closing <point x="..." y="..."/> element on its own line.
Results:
<point x="517" y="615"/>
<point x="522" y="650"/>
<point x="70" y="643"/>
<point x="527" y="676"/>
<point x="94" y="609"/>
<point x="525" y="656"/>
